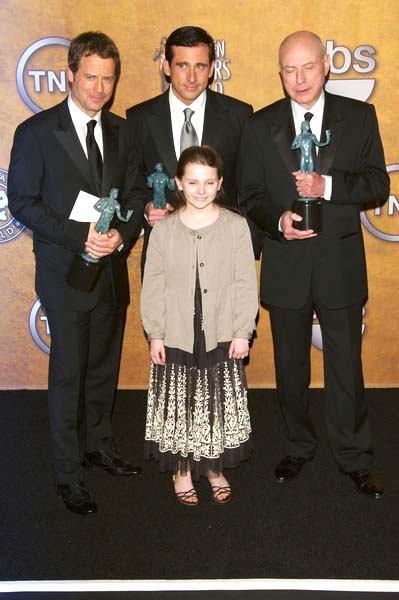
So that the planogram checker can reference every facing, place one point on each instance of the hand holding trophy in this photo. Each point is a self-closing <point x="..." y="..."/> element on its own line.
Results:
<point x="85" y="270"/>
<point x="308" y="208"/>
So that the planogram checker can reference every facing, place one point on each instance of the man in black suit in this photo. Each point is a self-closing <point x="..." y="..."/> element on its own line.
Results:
<point x="302" y="271"/>
<point x="216" y="120"/>
<point x="50" y="166"/>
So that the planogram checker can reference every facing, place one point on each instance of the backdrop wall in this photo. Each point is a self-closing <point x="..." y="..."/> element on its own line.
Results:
<point x="361" y="37"/>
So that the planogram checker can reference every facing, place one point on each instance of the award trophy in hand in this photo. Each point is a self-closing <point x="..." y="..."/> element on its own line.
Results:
<point x="85" y="270"/>
<point x="308" y="208"/>
<point x="160" y="181"/>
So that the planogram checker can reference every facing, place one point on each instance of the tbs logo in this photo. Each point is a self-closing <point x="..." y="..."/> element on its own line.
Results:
<point x="41" y="73"/>
<point x="362" y="62"/>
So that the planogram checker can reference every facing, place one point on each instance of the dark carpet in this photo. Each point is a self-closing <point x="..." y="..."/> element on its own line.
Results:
<point x="210" y="595"/>
<point x="317" y="527"/>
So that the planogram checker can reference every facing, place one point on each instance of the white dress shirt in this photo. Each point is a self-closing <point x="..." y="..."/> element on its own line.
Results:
<point x="80" y="120"/>
<point x="177" y="116"/>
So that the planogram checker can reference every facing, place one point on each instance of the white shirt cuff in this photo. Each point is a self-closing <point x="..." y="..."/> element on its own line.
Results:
<point x="328" y="188"/>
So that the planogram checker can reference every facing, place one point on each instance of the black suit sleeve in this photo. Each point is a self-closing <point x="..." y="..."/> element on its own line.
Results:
<point x="134" y="193"/>
<point x="26" y="178"/>
<point x="369" y="181"/>
<point x="255" y="199"/>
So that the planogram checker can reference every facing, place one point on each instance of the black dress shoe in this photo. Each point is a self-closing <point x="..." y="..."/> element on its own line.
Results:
<point x="289" y="467"/>
<point x="110" y="462"/>
<point x="367" y="483"/>
<point x="77" y="499"/>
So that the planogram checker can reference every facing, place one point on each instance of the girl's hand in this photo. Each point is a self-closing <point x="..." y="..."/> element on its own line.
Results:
<point x="157" y="352"/>
<point x="239" y="348"/>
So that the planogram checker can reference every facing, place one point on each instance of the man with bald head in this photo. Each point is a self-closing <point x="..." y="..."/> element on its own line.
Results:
<point x="303" y="271"/>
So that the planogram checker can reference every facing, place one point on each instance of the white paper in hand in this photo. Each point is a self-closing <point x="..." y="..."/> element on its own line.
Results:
<point x="83" y="210"/>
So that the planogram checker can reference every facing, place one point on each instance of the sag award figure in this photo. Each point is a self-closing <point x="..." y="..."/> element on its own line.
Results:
<point x="308" y="208"/>
<point x="159" y="181"/>
<point x="85" y="270"/>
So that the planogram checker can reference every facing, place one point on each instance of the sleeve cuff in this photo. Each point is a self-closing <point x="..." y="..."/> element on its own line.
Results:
<point x="328" y="189"/>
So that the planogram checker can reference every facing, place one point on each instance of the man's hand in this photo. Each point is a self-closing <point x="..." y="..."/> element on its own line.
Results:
<point x="309" y="185"/>
<point x="289" y="232"/>
<point x="157" y="352"/>
<point x="155" y="214"/>
<point x="239" y="348"/>
<point x="99" y="245"/>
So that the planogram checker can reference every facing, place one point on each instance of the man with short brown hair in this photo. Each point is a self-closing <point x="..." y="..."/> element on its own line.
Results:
<point x="160" y="123"/>
<point x="50" y="167"/>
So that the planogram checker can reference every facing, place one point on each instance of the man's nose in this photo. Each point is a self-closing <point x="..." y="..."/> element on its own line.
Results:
<point x="99" y="86"/>
<point x="191" y="73"/>
<point x="300" y="76"/>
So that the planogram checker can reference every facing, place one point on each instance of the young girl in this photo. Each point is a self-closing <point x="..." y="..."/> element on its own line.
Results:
<point x="198" y="304"/>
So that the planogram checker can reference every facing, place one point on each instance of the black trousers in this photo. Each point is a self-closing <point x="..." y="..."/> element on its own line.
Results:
<point x="83" y="373"/>
<point x="346" y="411"/>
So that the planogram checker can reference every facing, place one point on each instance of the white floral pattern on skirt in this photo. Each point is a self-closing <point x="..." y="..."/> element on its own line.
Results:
<point x="198" y="412"/>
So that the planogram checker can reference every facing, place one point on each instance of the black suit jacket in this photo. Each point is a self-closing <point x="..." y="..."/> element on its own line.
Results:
<point x="48" y="169"/>
<point x="224" y="119"/>
<point x="334" y="261"/>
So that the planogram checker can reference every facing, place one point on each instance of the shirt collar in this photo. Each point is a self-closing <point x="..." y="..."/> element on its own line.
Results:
<point x="317" y="109"/>
<point x="177" y="104"/>
<point x="79" y="116"/>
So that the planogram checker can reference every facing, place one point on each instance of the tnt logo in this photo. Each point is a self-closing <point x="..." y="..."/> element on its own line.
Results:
<point x="41" y="73"/>
<point x="10" y="228"/>
<point x="39" y="328"/>
<point x="382" y="221"/>
<point x="361" y="61"/>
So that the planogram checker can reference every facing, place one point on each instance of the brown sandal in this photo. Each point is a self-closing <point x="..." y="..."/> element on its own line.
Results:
<point x="184" y="497"/>
<point x="220" y="490"/>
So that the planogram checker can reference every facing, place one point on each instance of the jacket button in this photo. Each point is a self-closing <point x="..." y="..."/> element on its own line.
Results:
<point x="201" y="264"/>
<point x="199" y="237"/>
<point x="205" y="291"/>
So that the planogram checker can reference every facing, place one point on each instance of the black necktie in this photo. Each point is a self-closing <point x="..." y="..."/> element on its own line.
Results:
<point x="188" y="136"/>
<point x="308" y="116"/>
<point x="94" y="157"/>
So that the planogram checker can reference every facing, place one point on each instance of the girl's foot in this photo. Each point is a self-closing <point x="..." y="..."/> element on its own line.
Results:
<point x="184" y="489"/>
<point x="221" y="490"/>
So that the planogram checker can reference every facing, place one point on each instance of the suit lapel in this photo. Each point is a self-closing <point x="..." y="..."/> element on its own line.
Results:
<point x="160" y="125"/>
<point x="332" y="120"/>
<point x="110" y="144"/>
<point x="214" y="117"/>
<point x="68" y="138"/>
<point x="283" y="133"/>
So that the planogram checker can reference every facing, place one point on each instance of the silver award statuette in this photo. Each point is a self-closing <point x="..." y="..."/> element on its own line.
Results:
<point x="308" y="208"/>
<point x="159" y="181"/>
<point x="85" y="270"/>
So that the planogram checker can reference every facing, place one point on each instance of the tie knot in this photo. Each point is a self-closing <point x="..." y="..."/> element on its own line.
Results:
<point x="188" y="113"/>
<point x="91" y="125"/>
<point x="308" y="116"/>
